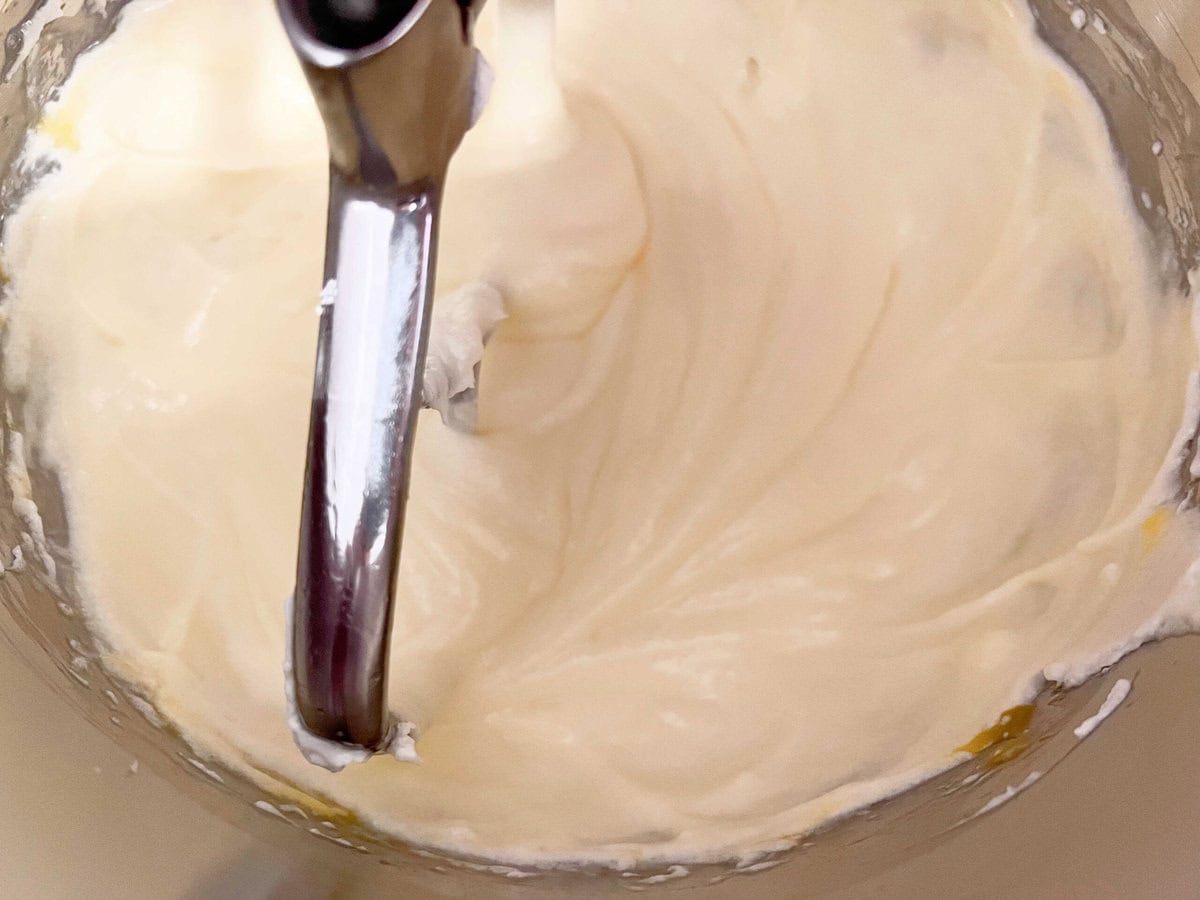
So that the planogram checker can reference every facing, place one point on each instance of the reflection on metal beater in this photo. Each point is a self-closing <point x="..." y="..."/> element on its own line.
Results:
<point x="395" y="84"/>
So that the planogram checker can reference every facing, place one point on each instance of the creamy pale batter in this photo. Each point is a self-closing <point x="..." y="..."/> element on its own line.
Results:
<point x="826" y="418"/>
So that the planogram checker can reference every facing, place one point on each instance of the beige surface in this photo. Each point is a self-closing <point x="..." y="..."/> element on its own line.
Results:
<point x="74" y="816"/>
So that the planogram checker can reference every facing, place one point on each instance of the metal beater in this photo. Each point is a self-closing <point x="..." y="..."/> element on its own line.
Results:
<point x="395" y="81"/>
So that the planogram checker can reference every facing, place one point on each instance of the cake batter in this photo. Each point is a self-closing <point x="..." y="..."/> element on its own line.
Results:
<point x="825" y="420"/>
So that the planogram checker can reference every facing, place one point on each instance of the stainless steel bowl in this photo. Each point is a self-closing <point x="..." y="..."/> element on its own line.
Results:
<point x="1116" y="815"/>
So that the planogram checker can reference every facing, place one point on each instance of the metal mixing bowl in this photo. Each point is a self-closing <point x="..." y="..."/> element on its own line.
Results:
<point x="1139" y="58"/>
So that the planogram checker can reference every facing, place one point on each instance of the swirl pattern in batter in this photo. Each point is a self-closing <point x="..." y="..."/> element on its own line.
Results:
<point x="836" y="378"/>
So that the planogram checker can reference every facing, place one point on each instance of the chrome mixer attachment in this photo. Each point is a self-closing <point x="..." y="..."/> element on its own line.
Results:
<point x="395" y="81"/>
